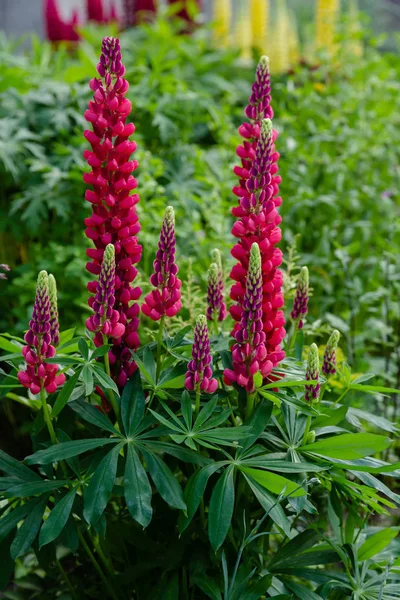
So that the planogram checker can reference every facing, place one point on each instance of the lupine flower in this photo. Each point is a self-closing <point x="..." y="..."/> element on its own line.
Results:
<point x="329" y="362"/>
<point x="216" y="309"/>
<point x="54" y="324"/>
<point x="95" y="11"/>
<point x="258" y="222"/>
<point x="137" y="11"/>
<point x="249" y="353"/>
<point x="58" y="30"/>
<point x="300" y="302"/>
<point x="106" y="320"/>
<point x="199" y="373"/>
<point x="38" y="373"/>
<point x="114" y="219"/>
<point x="312" y="374"/>
<point x="165" y="300"/>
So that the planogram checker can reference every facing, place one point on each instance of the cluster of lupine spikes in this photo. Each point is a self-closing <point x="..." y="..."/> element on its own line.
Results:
<point x="42" y="334"/>
<point x="114" y="219"/>
<point x="257" y="217"/>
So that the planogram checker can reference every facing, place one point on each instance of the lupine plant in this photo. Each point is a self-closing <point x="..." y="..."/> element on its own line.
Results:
<point x="204" y="464"/>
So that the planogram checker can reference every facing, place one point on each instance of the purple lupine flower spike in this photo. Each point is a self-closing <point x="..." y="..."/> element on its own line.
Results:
<point x="300" y="303"/>
<point x="110" y="60"/>
<point x="106" y="320"/>
<point x="165" y="299"/>
<point x="219" y="304"/>
<point x="199" y="373"/>
<point x="54" y="323"/>
<point x="329" y="363"/>
<point x="249" y="354"/>
<point x="259" y="106"/>
<point x="216" y="309"/>
<point x="312" y="374"/>
<point x="38" y="373"/>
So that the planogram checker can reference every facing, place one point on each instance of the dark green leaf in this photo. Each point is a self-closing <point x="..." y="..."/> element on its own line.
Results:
<point x="14" y="516"/>
<point x="137" y="488"/>
<point x="28" y="530"/>
<point x="164" y="480"/>
<point x="104" y="380"/>
<point x="221" y="508"/>
<point x="187" y="409"/>
<point x="132" y="404"/>
<point x="275" y="483"/>
<point x="100" y="487"/>
<point x="24" y="490"/>
<point x="83" y="348"/>
<point x="65" y="394"/>
<point x="87" y="378"/>
<point x="57" y="519"/>
<point x="11" y="466"/>
<point x="270" y="505"/>
<point x="208" y="587"/>
<point x="93" y="415"/>
<point x="67" y="450"/>
<point x="349" y="446"/>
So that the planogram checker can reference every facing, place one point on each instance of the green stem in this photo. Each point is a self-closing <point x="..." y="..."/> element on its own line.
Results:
<point x="106" y="561"/>
<point x="67" y="580"/>
<point x="198" y="395"/>
<point x="293" y="336"/>
<point x="159" y="346"/>
<point x="46" y="415"/>
<point x="110" y="392"/>
<point x="97" y="567"/>
<point x="306" y="431"/>
<point x="250" y="404"/>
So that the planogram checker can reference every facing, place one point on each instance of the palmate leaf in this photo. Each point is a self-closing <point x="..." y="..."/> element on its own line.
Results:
<point x="65" y="393"/>
<point x="14" y="516"/>
<point x="208" y="587"/>
<point x="94" y="416"/>
<point x="23" y="490"/>
<point x="13" y="467"/>
<point x="286" y="555"/>
<point x="100" y="487"/>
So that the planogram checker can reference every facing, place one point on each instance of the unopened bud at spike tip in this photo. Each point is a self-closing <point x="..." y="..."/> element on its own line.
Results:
<point x="312" y="374"/>
<point x="329" y="362"/>
<point x="54" y="323"/>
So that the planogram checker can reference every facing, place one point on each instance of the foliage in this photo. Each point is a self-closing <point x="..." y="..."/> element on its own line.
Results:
<point x="161" y="498"/>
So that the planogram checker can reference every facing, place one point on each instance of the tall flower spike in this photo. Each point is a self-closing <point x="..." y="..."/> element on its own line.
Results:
<point x="54" y="323"/>
<point x="165" y="300"/>
<point x="329" y="362"/>
<point x="249" y="353"/>
<point x="216" y="309"/>
<point x="199" y="372"/>
<point x="106" y="320"/>
<point x="114" y="219"/>
<point x="312" y="374"/>
<point x="38" y="373"/>
<point x="258" y="222"/>
<point x="300" y="302"/>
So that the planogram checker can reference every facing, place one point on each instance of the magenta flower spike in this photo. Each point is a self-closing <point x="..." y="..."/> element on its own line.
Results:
<point x="106" y="320"/>
<point x="216" y="309"/>
<point x="249" y="353"/>
<point x="114" y="219"/>
<point x="165" y="299"/>
<point x="300" y="303"/>
<point x="38" y="374"/>
<point x="312" y="374"/>
<point x="329" y="362"/>
<point x="199" y="372"/>
<point x="54" y="323"/>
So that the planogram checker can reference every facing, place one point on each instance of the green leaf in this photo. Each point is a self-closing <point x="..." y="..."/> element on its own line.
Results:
<point x="24" y="490"/>
<point x="183" y="454"/>
<point x="83" y="348"/>
<point x="349" y="446"/>
<point x="205" y="413"/>
<point x="100" y="351"/>
<point x="172" y="378"/>
<point x="287" y="554"/>
<point x="377" y="542"/>
<point x="93" y="415"/>
<point x="275" y="483"/>
<point x="87" y="378"/>
<point x="164" y="480"/>
<point x="137" y="488"/>
<point x="67" y="450"/>
<point x="282" y="466"/>
<point x="57" y="519"/>
<point x="132" y="404"/>
<point x="208" y="587"/>
<point x="302" y="592"/>
<point x="194" y="491"/>
<point x="104" y="379"/>
<point x="187" y="408"/>
<point x="12" y="518"/>
<point x="100" y="487"/>
<point x="284" y="383"/>
<point x="270" y="505"/>
<point x="65" y="394"/>
<point x="221" y="508"/>
<point x="258" y="423"/>
<point x="11" y="466"/>
<point x="28" y="530"/>
<point x="373" y="388"/>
